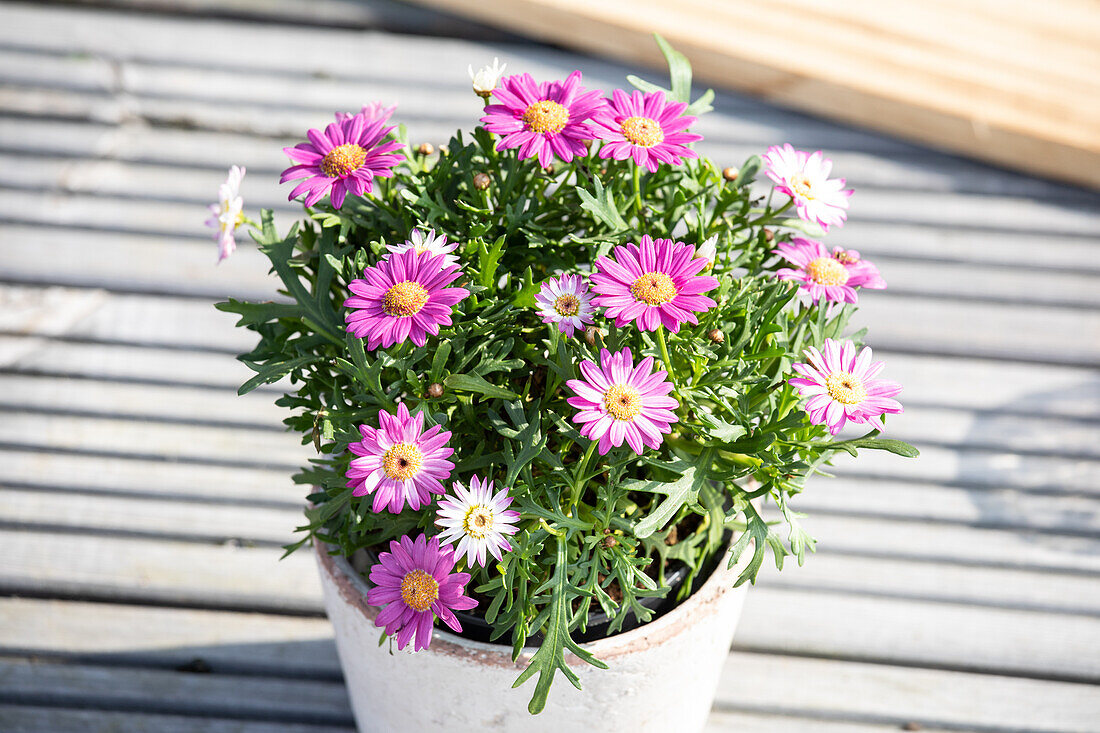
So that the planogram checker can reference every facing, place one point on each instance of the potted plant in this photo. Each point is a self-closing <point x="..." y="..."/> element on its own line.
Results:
<point x="556" y="373"/>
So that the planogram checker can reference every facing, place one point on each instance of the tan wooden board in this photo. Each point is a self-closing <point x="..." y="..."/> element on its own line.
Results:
<point x="980" y="79"/>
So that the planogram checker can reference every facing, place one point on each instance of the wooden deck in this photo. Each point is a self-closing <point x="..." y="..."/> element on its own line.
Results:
<point x="142" y="504"/>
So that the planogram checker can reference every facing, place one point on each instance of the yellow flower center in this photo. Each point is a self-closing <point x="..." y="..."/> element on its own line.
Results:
<point x="342" y="160"/>
<point x="406" y="298"/>
<point x="654" y="288"/>
<point x="402" y="461"/>
<point x="800" y="184"/>
<point x="567" y="305"/>
<point x="546" y="116"/>
<point x="419" y="590"/>
<point x="827" y="271"/>
<point x="622" y="401"/>
<point x="643" y="131"/>
<point x="478" y="522"/>
<point x="845" y="388"/>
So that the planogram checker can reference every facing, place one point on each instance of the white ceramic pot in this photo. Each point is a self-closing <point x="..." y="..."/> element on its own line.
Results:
<point x="662" y="676"/>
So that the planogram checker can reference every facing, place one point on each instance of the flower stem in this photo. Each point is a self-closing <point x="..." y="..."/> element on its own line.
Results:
<point x="664" y="354"/>
<point x="578" y="476"/>
<point x="637" y="190"/>
<point x="768" y="218"/>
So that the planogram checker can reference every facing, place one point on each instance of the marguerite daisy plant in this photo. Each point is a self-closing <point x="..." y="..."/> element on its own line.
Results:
<point x="530" y="386"/>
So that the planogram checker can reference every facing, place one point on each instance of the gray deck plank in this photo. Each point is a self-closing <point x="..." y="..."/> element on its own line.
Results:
<point x="35" y="719"/>
<point x="752" y="684"/>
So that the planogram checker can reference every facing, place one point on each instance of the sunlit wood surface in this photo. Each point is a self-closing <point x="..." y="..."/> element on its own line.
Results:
<point x="142" y="504"/>
<point x="1015" y="82"/>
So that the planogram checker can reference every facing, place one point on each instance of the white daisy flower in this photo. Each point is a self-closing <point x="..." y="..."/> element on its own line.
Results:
<point x="478" y="520"/>
<point x="566" y="301"/>
<point x="430" y="242"/>
<point x="227" y="214"/>
<point x="487" y="78"/>
<point x="708" y="250"/>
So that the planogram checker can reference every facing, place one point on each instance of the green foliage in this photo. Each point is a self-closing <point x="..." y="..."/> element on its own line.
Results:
<point x="595" y="531"/>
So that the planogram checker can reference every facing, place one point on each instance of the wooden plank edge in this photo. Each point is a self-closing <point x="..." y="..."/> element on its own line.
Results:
<point x="1000" y="143"/>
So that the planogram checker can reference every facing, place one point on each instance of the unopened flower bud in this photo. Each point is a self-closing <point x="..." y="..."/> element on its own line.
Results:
<point x="444" y="150"/>
<point x="425" y="149"/>
<point x="435" y="390"/>
<point x="590" y="334"/>
<point x="608" y="542"/>
<point x="769" y="235"/>
<point x="482" y="181"/>
<point x="716" y="336"/>
<point x="549" y="170"/>
<point x="708" y="250"/>
<point x="486" y="78"/>
<point x="730" y="174"/>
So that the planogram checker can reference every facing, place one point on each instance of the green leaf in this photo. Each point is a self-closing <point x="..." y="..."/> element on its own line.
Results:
<point x="470" y="383"/>
<point x="550" y="657"/>
<point x="644" y="85"/>
<point x="528" y="289"/>
<point x="273" y="371"/>
<point x="682" y="491"/>
<point x="870" y="442"/>
<point x="253" y="314"/>
<point x="602" y="205"/>
<point x="679" y="70"/>
<point x="749" y="170"/>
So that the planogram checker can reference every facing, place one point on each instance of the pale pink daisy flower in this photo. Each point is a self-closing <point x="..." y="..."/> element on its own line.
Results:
<point x="400" y="462"/>
<point x="414" y="585"/>
<point x="622" y="402"/>
<point x="347" y="156"/>
<point x="821" y="274"/>
<point x="805" y="178"/>
<point x="543" y="119"/>
<point x="645" y="127"/>
<point x="840" y="387"/>
<point x="228" y="214"/>
<point x="653" y="283"/>
<point x="403" y="297"/>
<point x="373" y="111"/>
<point x="478" y="519"/>
<point x="419" y="241"/>
<point x="566" y="301"/>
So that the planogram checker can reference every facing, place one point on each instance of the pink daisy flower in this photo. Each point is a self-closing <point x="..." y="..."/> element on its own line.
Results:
<point x="403" y="297"/>
<point x="414" y="584"/>
<point x="840" y="387"/>
<point x="820" y="274"/>
<point x="646" y="127"/>
<point x="373" y="111"/>
<point x="347" y="156"/>
<point x="653" y="283"/>
<point x="228" y="214"/>
<point x="478" y="519"/>
<point x="566" y="301"/>
<point x="618" y="401"/>
<point x="428" y="242"/>
<point x="400" y="462"/>
<point x="544" y="119"/>
<point x="805" y="178"/>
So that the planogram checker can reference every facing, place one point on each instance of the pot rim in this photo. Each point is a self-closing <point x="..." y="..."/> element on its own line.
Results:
<point x="353" y="590"/>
